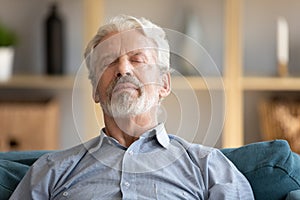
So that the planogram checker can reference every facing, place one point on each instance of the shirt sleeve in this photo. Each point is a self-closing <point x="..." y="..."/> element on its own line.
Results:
<point x="224" y="181"/>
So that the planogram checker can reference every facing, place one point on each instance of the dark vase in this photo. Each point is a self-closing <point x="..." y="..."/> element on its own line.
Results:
<point x="54" y="35"/>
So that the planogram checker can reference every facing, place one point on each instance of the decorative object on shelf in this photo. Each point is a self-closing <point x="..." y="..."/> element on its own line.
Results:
<point x="7" y="43"/>
<point x="282" y="46"/>
<point x="280" y="119"/>
<point x="54" y="39"/>
<point x="187" y="57"/>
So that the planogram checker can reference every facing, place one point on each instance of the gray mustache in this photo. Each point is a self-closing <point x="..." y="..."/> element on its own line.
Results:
<point x="123" y="79"/>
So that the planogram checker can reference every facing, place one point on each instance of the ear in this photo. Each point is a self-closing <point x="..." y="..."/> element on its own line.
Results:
<point x="165" y="88"/>
<point x="96" y="95"/>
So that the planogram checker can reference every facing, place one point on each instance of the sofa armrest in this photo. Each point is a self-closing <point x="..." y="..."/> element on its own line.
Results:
<point x="271" y="168"/>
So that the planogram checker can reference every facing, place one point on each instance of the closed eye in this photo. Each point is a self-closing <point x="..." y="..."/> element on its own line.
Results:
<point x="139" y="58"/>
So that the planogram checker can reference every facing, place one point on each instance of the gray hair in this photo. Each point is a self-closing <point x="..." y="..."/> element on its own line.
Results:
<point x="124" y="23"/>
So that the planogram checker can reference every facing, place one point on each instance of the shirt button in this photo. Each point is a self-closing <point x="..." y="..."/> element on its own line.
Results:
<point x="127" y="184"/>
<point x="130" y="153"/>
<point x="65" y="194"/>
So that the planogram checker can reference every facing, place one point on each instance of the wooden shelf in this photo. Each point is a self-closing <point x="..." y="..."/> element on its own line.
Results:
<point x="66" y="82"/>
<point x="38" y="82"/>
<point x="197" y="83"/>
<point x="271" y="83"/>
<point x="248" y="83"/>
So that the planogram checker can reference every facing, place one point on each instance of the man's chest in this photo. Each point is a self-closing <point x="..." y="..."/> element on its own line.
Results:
<point x="103" y="182"/>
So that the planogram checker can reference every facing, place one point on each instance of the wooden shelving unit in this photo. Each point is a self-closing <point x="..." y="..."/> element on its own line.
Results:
<point x="236" y="84"/>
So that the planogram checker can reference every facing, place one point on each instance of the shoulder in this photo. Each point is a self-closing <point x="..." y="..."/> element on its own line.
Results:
<point x="196" y="152"/>
<point x="70" y="155"/>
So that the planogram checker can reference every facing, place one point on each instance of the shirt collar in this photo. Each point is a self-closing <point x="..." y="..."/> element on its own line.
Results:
<point x="159" y="131"/>
<point x="162" y="136"/>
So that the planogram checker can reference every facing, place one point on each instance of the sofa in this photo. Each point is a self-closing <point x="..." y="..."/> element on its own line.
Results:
<point x="272" y="169"/>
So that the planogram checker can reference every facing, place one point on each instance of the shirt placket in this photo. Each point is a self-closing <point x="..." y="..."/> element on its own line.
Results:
<point x="128" y="177"/>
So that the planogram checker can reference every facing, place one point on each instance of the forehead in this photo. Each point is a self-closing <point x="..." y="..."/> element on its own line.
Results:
<point x="120" y="43"/>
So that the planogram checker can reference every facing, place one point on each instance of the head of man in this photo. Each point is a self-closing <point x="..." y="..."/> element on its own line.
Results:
<point x="128" y="62"/>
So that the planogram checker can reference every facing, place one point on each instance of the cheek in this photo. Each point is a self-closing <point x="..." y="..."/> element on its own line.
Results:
<point x="102" y="91"/>
<point x="103" y="83"/>
<point x="152" y="91"/>
<point x="148" y="75"/>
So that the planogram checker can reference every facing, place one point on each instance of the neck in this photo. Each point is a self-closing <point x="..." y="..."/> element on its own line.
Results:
<point x="129" y="129"/>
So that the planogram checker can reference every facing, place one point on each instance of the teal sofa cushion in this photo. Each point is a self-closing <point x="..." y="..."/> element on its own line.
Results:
<point x="13" y="166"/>
<point x="272" y="169"/>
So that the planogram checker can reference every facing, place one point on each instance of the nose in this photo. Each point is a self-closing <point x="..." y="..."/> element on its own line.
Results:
<point x="124" y="67"/>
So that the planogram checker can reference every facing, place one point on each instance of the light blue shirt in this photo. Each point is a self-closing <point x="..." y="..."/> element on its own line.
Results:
<point x="156" y="166"/>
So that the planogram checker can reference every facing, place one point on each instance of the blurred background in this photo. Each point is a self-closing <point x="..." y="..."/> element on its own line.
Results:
<point x="239" y="35"/>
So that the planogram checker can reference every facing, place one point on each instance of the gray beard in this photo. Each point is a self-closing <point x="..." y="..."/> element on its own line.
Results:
<point x="125" y="104"/>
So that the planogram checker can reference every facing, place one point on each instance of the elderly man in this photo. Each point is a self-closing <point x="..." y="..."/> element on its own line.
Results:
<point x="133" y="157"/>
